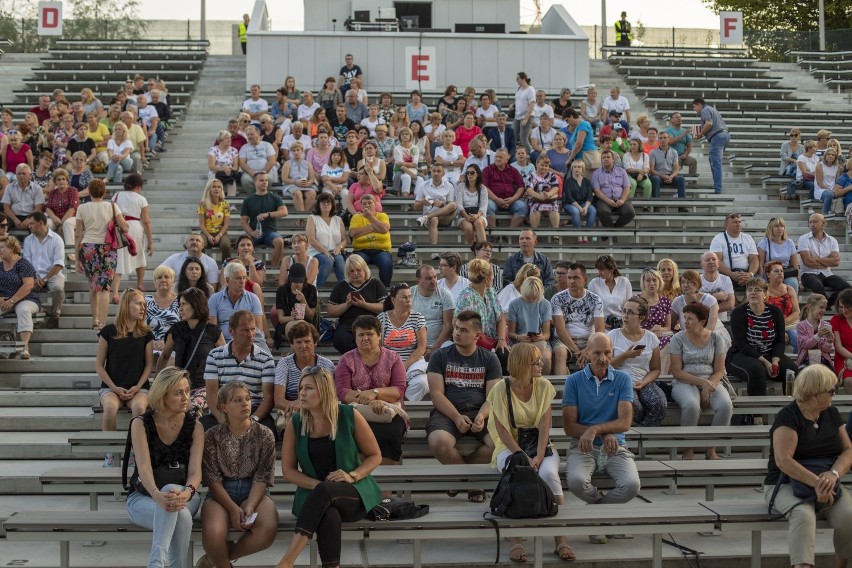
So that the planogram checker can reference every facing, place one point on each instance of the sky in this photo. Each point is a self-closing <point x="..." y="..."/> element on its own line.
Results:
<point x="287" y="14"/>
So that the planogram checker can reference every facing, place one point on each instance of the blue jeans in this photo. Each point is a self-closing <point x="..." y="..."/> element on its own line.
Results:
<point x="591" y="217"/>
<point x="325" y="266"/>
<point x="847" y="200"/>
<point x="793" y="282"/>
<point x="793" y="338"/>
<point x="827" y="199"/>
<point x="795" y="185"/>
<point x="383" y="261"/>
<point x="115" y="169"/>
<point x="266" y="239"/>
<point x="172" y="530"/>
<point x="717" y="148"/>
<point x="518" y="207"/>
<point x="679" y="181"/>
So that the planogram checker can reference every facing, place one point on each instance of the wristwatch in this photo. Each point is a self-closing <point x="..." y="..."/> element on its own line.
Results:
<point x="836" y="473"/>
<point x="354" y="475"/>
<point x="255" y="418"/>
<point x="376" y="392"/>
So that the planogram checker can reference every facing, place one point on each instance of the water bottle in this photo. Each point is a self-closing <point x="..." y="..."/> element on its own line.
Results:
<point x="789" y="381"/>
<point x="600" y="460"/>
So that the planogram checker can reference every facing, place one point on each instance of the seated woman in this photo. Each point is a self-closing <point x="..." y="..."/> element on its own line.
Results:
<point x="524" y="400"/>
<point x="359" y="294"/>
<point x="99" y="134"/>
<point x="785" y="298"/>
<point x="161" y="498"/>
<point x="659" y="317"/>
<point x="637" y="165"/>
<point x="335" y="173"/>
<point x="255" y="267"/>
<point x="223" y="162"/>
<point x="79" y="175"/>
<point x="367" y="184"/>
<point x="118" y="150"/>
<point x="295" y="301"/>
<point x="406" y="157"/>
<point x="124" y="361"/>
<point x="375" y="376"/>
<point x="303" y="338"/>
<point x="450" y="156"/>
<point x="612" y="288"/>
<point x="214" y="217"/>
<point x="841" y="324"/>
<point x="320" y="455"/>
<point x="579" y="196"/>
<point x="542" y="194"/>
<point x="61" y="208"/>
<point x="485" y="251"/>
<point x="191" y="340"/>
<point x="404" y="333"/>
<point x="636" y="351"/>
<point x="326" y="239"/>
<point x="14" y="152"/>
<point x="192" y="275"/>
<point x="512" y="291"/>
<point x="827" y="172"/>
<point x="811" y="430"/>
<point x="299" y="179"/>
<point x="161" y="307"/>
<point x="690" y="286"/>
<point x="790" y="150"/>
<point x="815" y="337"/>
<point x="471" y="199"/>
<point x="698" y="367"/>
<point x="775" y="245"/>
<point x="480" y="297"/>
<point x="757" y="352"/>
<point x="300" y="255"/>
<point x="17" y="282"/>
<point x="530" y="319"/>
<point x="371" y="239"/>
<point x="671" y="279"/>
<point x="239" y="469"/>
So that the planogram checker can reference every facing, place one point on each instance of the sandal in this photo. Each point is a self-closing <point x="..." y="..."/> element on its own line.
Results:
<point x="565" y="552"/>
<point x="452" y="492"/>
<point x="521" y="557"/>
<point x="476" y="496"/>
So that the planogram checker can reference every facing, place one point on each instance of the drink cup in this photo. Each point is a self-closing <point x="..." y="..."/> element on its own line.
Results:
<point x="789" y="381"/>
<point x="299" y="310"/>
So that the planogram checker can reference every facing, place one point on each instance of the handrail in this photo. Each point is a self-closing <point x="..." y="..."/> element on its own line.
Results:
<point x="659" y="51"/>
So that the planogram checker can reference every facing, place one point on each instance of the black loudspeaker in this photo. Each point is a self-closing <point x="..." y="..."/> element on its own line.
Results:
<point x="480" y="28"/>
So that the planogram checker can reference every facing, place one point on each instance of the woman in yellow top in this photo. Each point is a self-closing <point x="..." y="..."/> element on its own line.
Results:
<point x="371" y="240"/>
<point x="99" y="134"/>
<point x="532" y="397"/>
<point x="214" y="217"/>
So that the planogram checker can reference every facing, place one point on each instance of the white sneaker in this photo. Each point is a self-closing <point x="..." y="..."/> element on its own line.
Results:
<point x="422" y="220"/>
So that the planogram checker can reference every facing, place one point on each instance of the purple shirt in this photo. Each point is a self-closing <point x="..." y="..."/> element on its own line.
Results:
<point x="613" y="184"/>
<point x="503" y="183"/>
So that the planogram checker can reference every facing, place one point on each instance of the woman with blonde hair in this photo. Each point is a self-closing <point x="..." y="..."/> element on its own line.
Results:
<point x="790" y="150"/>
<point x="124" y="361"/>
<point x="406" y="157"/>
<point x="776" y="246"/>
<point x="530" y="319"/>
<point x="118" y="151"/>
<point x="480" y="297"/>
<point x="659" y="318"/>
<point x="214" y="217"/>
<point x="531" y="398"/>
<point x="512" y="291"/>
<point x="164" y="436"/>
<point x="671" y="278"/>
<point x="359" y="294"/>
<point x="321" y="456"/>
<point x="223" y="162"/>
<point x="91" y="104"/>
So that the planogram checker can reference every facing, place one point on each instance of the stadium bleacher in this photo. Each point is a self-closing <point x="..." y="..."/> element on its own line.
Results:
<point x="46" y="404"/>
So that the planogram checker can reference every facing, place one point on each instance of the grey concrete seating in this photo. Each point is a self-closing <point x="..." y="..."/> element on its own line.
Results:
<point x="441" y="524"/>
<point x="710" y="91"/>
<point x="108" y="85"/>
<point x="29" y="98"/>
<point x="679" y="56"/>
<point x="724" y="105"/>
<point x="112" y="74"/>
<point x="684" y="69"/>
<point x="187" y="45"/>
<point x="640" y="80"/>
<point x="143" y="67"/>
<point x="842" y="84"/>
<point x="4" y="42"/>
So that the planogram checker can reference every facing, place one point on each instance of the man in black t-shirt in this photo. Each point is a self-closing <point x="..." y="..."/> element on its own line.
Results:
<point x="460" y="378"/>
<point x="341" y="124"/>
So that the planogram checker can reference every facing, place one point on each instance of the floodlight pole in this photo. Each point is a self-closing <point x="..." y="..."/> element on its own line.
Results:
<point x="822" y="25"/>
<point x="603" y="24"/>
<point x="203" y="20"/>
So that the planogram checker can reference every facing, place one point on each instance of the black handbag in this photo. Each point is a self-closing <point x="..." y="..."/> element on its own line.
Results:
<point x="396" y="509"/>
<point x="171" y="473"/>
<point x="527" y="437"/>
<point x="521" y="493"/>
<point x="803" y="491"/>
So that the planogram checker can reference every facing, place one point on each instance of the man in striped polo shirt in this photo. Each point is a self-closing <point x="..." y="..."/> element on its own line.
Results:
<point x="241" y="360"/>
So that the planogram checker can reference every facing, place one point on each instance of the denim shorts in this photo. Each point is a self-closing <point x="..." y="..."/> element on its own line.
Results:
<point x="102" y="392"/>
<point x="237" y="489"/>
<point x="266" y="239"/>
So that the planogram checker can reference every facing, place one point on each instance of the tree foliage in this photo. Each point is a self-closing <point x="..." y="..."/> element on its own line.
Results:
<point x="104" y="19"/>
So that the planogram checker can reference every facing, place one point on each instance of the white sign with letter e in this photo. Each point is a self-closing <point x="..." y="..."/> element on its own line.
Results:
<point x="420" y="65"/>
<point x="731" y="28"/>
<point x="50" y="18"/>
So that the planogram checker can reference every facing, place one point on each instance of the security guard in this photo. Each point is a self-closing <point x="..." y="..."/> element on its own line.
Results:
<point x="622" y="32"/>
<point x="244" y="32"/>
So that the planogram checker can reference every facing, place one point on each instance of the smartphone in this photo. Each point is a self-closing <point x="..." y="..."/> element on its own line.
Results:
<point x="357" y="296"/>
<point x="532" y="334"/>
<point x="251" y="519"/>
<point x="638" y="347"/>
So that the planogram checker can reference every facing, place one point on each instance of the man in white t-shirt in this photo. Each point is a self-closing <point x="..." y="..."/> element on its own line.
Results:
<point x="255" y="106"/>
<point x="541" y="108"/>
<point x="437" y="306"/>
<point x="736" y="251"/>
<point x="435" y="197"/>
<point x="716" y="284"/>
<point x="820" y="253"/>
<point x="297" y="134"/>
<point x="486" y="114"/>
<point x="450" y="266"/>
<point x="577" y="314"/>
<point x="256" y="156"/>
<point x="149" y="117"/>
<point x="194" y="245"/>
<point x="615" y="102"/>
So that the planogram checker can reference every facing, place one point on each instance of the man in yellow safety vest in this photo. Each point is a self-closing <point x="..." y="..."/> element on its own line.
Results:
<point x="622" y="32"/>
<point x="244" y="32"/>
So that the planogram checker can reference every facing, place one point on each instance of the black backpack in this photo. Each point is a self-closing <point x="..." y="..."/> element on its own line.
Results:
<point x="521" y="493"/>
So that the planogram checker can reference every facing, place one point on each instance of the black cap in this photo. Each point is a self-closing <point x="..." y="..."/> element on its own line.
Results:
<point x="297" y="273"/>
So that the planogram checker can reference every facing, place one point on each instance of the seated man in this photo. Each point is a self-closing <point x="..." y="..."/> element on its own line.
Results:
<point x="437" y="305"/>
<point x="541" y="137"/>
<point x="255" y="106"/>
<point x="736" y="251"/>
<point x="527" y="239"/>
<point x="820" y="253"/>
<point x="502" y="136"/>
<point x="717" y="284"/>
<point x="297" y="134"/>
<point x="255" y="157"/>
<point x="613" y="127"/>
<point x="194" y="245"/>
<point x="597" y="409"/>
<point x="611" y="185"/>
<point x="479" y="154"/>
<point x="149" y="118"/>
<point x="460" y="377"/>
<point x="241" y="360"/>
<point x="577" y="313"/>
<point x="435" y="196"/>
<point x="665" y="168"/>
<point x="258" y="216"/>
<point x="618" y="104"/>
<point x="137" y="138"/>
<point x="46" y="252"/>
<point x="22" y="198"/>
<point x="681" y="140"/>
<point x="234" y="297"/>
<point x="505" y="190"/>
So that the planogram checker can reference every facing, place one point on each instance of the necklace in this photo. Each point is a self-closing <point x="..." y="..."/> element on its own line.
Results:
<point x="808" y="416"/>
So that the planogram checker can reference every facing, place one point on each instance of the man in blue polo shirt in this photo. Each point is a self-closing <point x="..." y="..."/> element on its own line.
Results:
<point x="597" y="410"/>
<point x="234" y="297"/>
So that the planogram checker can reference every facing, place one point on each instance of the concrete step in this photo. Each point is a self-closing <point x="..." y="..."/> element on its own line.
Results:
<point x="41" y="398"/>
<point x="54" y="419"/>
<point x="84" y="381"/>
<point x="33" y="446"/>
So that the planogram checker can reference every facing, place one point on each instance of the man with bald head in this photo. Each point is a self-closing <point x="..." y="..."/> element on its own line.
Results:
<point x="715" y="283"/>
<point x="820" y="253"/>
<point x="597" y="409"/>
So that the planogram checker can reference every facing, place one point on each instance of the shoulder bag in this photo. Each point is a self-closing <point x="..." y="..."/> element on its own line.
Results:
<point x="118" y="239"/>
<point x="804" y="492"/>
<point x="527" y="437"/>
<point x="171" y="473"/>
